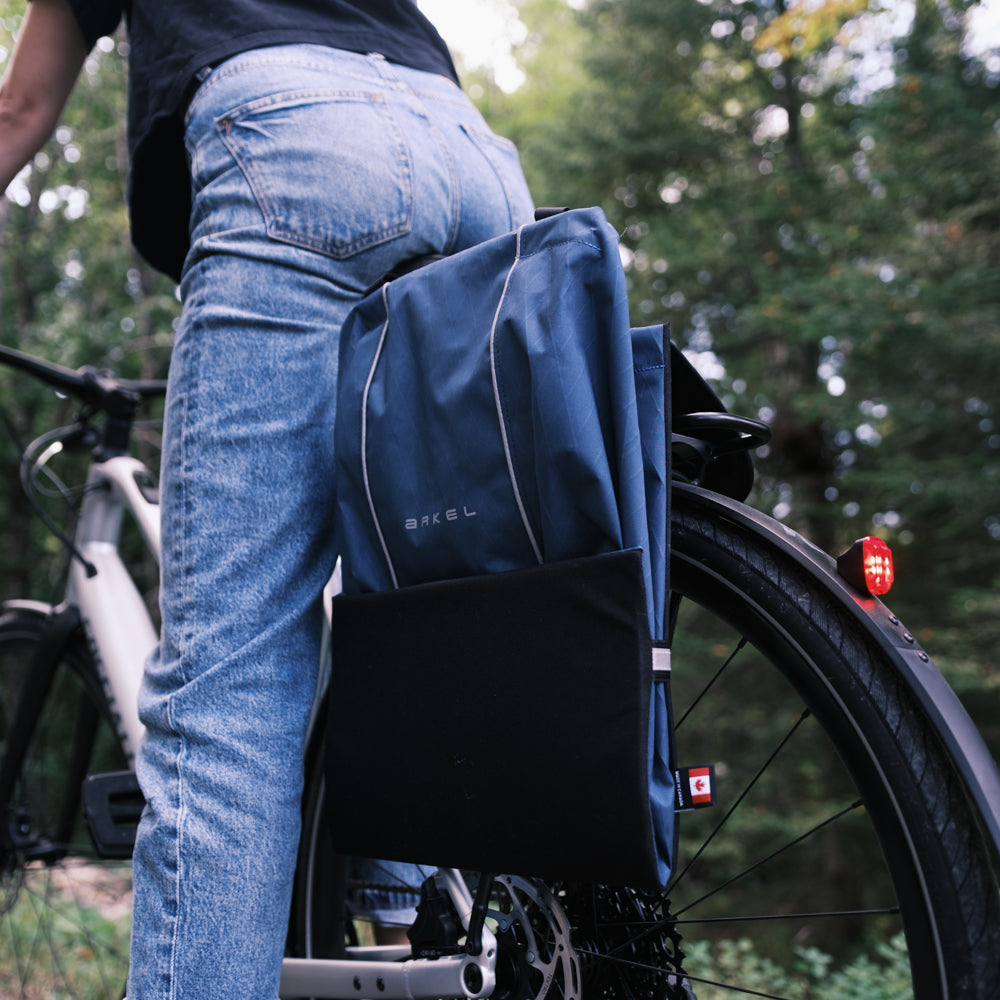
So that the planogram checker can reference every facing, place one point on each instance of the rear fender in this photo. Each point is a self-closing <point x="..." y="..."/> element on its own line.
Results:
<point x="962" y="741"/>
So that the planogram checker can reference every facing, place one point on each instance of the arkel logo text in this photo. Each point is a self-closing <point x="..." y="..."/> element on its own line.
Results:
<point x="438" y="517"/>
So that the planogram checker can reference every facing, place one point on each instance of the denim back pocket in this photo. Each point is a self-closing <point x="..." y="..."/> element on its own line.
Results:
<point x="331" y="170"/>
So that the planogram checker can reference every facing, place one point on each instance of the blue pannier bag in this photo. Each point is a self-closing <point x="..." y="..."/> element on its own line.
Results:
<point x="498" y="696"/>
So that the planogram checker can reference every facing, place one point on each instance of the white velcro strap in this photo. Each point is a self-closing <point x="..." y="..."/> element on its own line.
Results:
<point x="661" y="663"/>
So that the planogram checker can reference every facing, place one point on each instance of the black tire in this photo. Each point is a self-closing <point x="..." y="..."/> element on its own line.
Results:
<point x="765" y="657"/>
<point x="319" y="926"/>
<point x="64" y="914"/>
<point x="842" y="859"/>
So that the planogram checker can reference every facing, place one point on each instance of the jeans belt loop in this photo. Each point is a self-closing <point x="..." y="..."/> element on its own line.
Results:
<point x="199" y="77"/>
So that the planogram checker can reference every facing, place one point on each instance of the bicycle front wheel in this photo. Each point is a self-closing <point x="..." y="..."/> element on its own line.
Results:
<point x="64" y="914"/>
<point x="843" y="858"/>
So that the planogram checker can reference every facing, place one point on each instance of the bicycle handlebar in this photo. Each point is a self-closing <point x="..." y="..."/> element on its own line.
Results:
<point x="101" y="390"/>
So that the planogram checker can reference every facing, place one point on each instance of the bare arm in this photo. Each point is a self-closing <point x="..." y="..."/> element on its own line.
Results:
<point x="46" y="61"/>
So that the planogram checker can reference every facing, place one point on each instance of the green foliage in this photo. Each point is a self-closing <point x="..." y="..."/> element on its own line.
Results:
<point x="813" y="975"/>
<point x="72" y="289"/>
<point x="65" y="922"/>
<point x="71" y="286"/>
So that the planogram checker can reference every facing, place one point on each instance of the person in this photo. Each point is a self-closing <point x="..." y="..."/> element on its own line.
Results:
<point x="284" y="155"/>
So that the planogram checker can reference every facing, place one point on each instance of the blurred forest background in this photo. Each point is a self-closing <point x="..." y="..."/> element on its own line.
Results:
<point x="809" y="193"/>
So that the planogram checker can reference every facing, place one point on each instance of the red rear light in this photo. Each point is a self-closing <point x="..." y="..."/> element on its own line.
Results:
<point x="867" y="565"/>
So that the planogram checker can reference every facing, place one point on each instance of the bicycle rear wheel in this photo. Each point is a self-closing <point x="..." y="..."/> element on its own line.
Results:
<point x="842" y="858"/>
<point x="64" y="914"/>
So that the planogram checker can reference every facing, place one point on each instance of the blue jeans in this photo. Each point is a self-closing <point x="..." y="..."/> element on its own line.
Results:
<point x="314" y="171"/>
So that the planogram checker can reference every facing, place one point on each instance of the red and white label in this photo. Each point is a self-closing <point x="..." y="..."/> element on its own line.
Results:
<point x="700" y="785"/>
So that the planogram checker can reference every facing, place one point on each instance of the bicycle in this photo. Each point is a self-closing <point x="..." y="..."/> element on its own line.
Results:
<point x="894" y="768"/>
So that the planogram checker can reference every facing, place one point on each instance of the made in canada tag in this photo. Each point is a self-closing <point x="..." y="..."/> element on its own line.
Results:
<point x="694" y="787"/>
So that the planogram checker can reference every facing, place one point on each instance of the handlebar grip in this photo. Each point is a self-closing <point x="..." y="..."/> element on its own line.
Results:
<point x="100" y="389"/>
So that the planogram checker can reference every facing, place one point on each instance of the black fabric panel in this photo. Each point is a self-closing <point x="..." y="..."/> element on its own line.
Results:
<point x="498" y="723"/>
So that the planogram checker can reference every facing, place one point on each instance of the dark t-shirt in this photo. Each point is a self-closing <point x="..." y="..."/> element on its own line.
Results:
<point x="170" y="40"/>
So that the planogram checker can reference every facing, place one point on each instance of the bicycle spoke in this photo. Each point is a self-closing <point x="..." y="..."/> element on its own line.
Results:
<point x="774" y="854"/>
<point x="743" y="990"/>
<point x="746" y="791"/>
<point x="888" y="911"/>
<point x="711" y="683"/>
<point x="674" y="919"/>
<point x="61" y="938"/>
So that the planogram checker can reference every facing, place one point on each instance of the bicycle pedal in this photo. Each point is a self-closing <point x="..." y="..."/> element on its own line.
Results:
<point x="694" y="787"/>
<point x="112" y="805"/>
<point x="44" y="850"/>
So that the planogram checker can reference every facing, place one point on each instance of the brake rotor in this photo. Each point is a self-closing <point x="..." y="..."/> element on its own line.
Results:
<point x="535" y="952"/>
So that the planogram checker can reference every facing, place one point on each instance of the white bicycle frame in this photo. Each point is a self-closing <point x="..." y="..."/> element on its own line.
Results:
<point x="113" y="612"/>
<point x="122" y="635"/>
